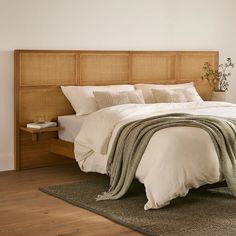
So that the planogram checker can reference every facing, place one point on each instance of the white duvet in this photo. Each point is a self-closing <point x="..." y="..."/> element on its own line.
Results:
<point x="176" y="159"/>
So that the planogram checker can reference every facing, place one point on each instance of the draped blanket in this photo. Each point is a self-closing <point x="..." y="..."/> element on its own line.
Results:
<point x="133" y="138"/>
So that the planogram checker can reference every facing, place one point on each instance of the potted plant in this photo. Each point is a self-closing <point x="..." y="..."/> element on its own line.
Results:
<point x="218" y="78"/>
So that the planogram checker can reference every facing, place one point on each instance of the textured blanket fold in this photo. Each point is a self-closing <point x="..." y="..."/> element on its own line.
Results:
<point x="133" y="138"/>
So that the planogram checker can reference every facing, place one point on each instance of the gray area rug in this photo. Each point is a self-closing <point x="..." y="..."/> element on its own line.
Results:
<point x="202" y="212"/>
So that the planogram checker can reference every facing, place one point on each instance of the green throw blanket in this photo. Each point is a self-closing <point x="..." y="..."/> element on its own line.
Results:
<point x="132" y="140"/>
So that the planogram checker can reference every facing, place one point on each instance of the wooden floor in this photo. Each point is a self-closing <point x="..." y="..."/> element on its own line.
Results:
<point x="24" y="210"/>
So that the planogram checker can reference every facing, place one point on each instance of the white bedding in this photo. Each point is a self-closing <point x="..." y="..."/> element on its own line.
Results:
<point x="71" y="125"/>
<point x="176" y="159"/>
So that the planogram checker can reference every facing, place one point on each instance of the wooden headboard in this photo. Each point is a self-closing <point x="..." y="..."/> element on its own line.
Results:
<point x="39" y="75"/>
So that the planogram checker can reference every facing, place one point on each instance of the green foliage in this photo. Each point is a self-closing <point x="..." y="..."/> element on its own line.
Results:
<point x="218" y="78"/>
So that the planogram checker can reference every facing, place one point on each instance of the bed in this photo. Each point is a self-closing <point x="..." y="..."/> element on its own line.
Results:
<point x="89" y="138"/>
<point x="175" y="160"/>
<point x="40" y="73"/>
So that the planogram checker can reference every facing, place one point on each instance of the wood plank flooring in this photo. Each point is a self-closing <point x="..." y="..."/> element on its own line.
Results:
<point x="24" y="210"/>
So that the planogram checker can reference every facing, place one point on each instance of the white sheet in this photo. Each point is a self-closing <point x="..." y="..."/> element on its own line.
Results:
<point x="176" y="159"/>
<point x="71" y="125"/>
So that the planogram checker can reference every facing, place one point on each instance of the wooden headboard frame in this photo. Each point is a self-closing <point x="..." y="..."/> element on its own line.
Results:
<point x="39" y="75"/>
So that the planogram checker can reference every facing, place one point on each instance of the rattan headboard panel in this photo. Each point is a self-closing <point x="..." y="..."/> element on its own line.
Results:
<point x="45" y="101"/>
<point x="153" y="67"/>
<point x="191" y="63"/>
<point x="47" y="69"/>
<point x="108" y="68"/>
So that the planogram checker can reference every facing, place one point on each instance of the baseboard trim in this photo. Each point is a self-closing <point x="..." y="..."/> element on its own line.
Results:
<point x="6" y="162"/>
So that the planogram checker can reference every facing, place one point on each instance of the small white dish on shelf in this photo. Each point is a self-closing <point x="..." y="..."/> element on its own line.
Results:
<point x="42" y="125"/>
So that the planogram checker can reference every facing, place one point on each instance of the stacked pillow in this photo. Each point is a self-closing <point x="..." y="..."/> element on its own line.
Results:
<point x="108" y="99"/>
<point x="88" y="99"/>
<point x="176" y="95"/>
<point x="82" y="98"/>
<point x="154" y="93"/>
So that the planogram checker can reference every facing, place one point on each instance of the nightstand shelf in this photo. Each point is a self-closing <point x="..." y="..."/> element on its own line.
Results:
<point x="35" y="132"/>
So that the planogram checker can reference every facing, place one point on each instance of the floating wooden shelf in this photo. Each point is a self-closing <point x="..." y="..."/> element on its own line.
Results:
<point x="35" y="132"/>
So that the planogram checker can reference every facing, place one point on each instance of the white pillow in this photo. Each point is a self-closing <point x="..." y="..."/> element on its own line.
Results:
<point x="176" y="95"/>
<point x="82" y="98"/>
<point x="108" y="99"/>
<point x="168" y="95"/>
<point x="147" y="89"/>
<point x="192" y="95"/>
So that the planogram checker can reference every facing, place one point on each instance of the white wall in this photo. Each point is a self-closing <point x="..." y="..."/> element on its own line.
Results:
<point x="108" y="24"/>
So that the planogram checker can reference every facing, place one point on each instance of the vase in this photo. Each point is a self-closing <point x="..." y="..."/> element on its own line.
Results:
<point x="218" y="96"/>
